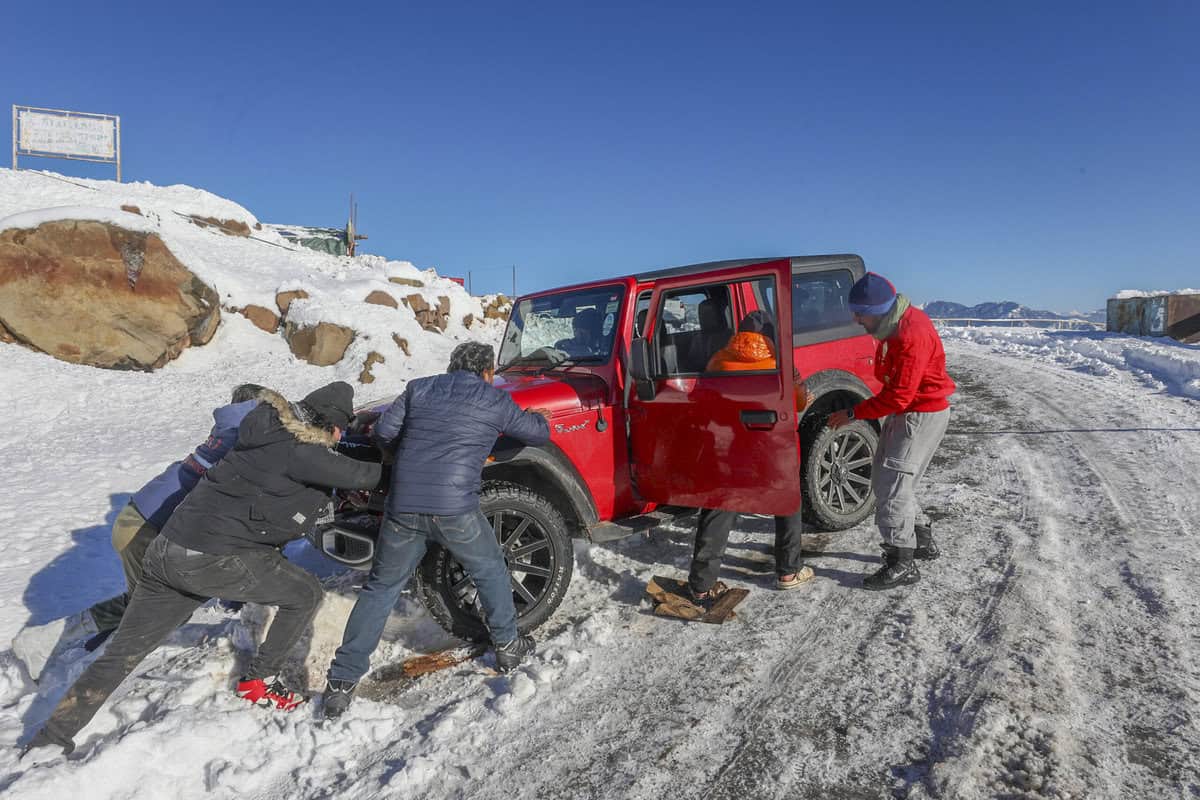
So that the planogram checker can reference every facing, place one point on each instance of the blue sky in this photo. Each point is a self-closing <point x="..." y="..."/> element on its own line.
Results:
<point x="1047" y="153"/>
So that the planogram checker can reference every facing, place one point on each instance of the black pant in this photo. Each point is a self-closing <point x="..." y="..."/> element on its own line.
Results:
<point x="174" y="583"/>
<point x="713" y="536"/>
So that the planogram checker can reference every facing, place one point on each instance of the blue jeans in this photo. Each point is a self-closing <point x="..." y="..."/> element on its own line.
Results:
<point x="398" y="550"/>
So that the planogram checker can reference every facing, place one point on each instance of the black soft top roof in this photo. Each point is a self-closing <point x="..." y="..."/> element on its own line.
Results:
<point x="804" y="263"/>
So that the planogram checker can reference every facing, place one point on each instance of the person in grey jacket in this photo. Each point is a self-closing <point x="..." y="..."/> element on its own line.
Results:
<point x="441" y="429"/>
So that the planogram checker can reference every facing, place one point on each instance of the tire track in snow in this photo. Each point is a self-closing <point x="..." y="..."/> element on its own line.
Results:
<point x="1142" y="708"/>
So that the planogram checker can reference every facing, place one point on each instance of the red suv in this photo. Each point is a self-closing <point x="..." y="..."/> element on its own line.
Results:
<point x="641" y="432"/>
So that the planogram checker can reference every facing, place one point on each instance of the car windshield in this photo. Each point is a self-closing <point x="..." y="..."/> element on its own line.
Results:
<point x="575" y="327"/>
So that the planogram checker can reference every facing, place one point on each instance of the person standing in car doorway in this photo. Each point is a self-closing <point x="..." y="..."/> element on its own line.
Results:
<point x="913" y="403"/>
<point x="441" y="430"/>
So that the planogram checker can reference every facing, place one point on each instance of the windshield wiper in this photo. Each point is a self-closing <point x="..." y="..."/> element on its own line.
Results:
<point x="570" y="362"/>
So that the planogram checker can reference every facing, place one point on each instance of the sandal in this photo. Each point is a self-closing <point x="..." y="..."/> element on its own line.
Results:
<point x="802" y="575"/>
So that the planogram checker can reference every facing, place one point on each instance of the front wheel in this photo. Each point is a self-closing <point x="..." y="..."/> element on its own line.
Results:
<point x="836" y="475"/>
<point x="537" y="548"/>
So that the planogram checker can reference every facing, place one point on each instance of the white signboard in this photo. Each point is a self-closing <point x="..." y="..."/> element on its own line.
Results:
<point x="75" y="135"/>
<point x="85" y="137"/>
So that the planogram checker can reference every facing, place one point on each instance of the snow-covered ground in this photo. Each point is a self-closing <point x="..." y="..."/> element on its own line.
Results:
<point x="1054" y="650"/>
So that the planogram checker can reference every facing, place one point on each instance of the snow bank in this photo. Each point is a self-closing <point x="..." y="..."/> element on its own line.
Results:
<point x="1126" y="294"/>
<point x="251" y="270"/>
<point x="1160" y="363"/>
<point x="32" y="219"/>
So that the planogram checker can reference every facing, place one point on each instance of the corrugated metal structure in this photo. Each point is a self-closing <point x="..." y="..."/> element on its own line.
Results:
<point x="1174" y="315"/>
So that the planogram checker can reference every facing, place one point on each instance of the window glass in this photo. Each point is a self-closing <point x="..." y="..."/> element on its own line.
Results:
<point x="576" y="327"/>
<point x="696" y="331"/>
<point x="821" y="300"/>
<point x="639" y="314"/>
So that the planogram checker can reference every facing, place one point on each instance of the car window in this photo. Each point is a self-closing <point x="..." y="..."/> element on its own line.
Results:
<point x="578" y="325"/>
<point x="696" y="326"/>
<point x="820" y="300"/>
<point x="640" y="312"/>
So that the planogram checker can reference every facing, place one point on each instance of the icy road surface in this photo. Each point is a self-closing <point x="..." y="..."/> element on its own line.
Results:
<point x="1053" y="651"/>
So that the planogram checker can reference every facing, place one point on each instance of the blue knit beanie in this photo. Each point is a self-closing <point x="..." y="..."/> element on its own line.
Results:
<point x="872" y="294"/>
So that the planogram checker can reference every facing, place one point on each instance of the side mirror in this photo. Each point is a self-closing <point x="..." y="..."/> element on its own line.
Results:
<point x="639" y="359"/>
<point x="639" y="368"/>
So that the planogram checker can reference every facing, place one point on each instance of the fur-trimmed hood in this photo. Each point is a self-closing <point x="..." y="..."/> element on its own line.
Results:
<point x="276" y="418"/>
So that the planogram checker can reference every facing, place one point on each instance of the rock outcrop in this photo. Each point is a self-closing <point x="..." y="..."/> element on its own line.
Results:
<point x="263" y="318"/>
<point x="379" y="298"/>
<point x="96" y="293"/>
<point x="322" y="344"/>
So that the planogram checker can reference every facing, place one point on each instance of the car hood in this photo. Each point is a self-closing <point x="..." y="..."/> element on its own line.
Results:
<point x="560" y="392"/>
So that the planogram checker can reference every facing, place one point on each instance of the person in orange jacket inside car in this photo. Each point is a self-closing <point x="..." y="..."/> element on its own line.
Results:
<point x="751" y="348"/>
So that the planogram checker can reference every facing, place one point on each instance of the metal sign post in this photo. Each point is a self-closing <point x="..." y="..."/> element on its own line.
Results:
<point x="70" y="135"/>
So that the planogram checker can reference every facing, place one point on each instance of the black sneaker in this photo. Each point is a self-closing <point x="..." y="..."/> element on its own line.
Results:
<point x="898" y="570"/>
<point x="927" y="549"/>
<point x="338" y="696"/>
<point x="510" y="655"/>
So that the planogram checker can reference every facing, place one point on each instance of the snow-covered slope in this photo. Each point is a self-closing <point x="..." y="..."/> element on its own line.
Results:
<point x="1052" y="651"/>
<point x="251" y="270"/>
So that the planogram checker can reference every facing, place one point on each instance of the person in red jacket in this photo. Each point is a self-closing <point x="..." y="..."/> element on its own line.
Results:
<point x="914" y="406"/>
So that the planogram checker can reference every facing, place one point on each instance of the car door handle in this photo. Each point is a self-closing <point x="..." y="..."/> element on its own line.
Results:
<point x="759" y="418"/>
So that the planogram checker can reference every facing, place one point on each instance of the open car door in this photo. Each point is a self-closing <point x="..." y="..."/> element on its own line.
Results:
<point x="723" y="437"/>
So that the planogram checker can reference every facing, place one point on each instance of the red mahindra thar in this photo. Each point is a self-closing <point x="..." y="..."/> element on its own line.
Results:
<point x="641" y="432"/>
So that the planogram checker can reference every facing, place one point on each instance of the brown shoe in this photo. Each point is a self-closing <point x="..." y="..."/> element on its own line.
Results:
<point x="795" y="579"/>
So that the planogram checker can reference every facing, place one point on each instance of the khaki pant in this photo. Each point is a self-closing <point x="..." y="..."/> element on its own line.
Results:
<point x="131" y="535"/>
<point x="906" y="446"/>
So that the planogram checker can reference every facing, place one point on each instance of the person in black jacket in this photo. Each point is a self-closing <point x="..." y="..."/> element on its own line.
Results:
<point x="224" y="541"/>
<point x="441" y="430"/>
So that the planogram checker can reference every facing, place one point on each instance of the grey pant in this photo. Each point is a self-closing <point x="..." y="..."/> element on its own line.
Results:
<point x="175" y="582"/>
<point x="131" y="536"/>
<point x="906" y="446"/>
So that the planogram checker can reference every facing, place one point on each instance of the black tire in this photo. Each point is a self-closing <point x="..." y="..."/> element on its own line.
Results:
<point x="539" y="556"/>
<point x="836" y="474"/>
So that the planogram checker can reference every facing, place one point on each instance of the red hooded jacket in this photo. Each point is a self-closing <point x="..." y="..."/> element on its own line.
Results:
<point x="911" y="365"/>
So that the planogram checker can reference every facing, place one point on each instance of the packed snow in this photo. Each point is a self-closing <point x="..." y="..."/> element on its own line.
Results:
<point x="1161" y="363"/>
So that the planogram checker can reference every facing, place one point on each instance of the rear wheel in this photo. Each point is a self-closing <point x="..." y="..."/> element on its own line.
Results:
<point x="537" y="548"/>
<point x="836" y="475"/>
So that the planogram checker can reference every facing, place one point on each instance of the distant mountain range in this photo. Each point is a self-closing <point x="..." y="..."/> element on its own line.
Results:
<point x="1006" y="309"/>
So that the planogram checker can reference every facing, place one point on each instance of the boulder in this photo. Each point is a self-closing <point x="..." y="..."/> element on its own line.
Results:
<point x="406" y="281"/>
<point x="417" y="303"/>
<point x="431" y="319"/>
<point x="468" y="320"/>
<point x="380" y="298"/>
<point x="323" y="344"/>
<point x="263" y="318"/>
<point x="283" y="300"/>
<point x="132" y="210"/>
<point x="373" y="358"/>
<point x="402" y="343"/>
<point x="96" y="293"/>
<point x="499" y="308"/>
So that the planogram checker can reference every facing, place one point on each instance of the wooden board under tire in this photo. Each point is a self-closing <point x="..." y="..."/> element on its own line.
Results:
<point x="670" y="599"/>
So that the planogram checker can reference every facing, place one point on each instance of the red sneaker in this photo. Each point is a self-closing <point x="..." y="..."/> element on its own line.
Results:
<point x="269" y="693"/>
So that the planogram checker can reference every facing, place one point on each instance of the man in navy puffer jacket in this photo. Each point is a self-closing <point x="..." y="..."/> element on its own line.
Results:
<point x="441" y="429"/>
<point x="133" y="530"/>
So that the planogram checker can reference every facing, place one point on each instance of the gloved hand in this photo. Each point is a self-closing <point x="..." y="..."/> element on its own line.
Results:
<point x="46" y="737"/>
